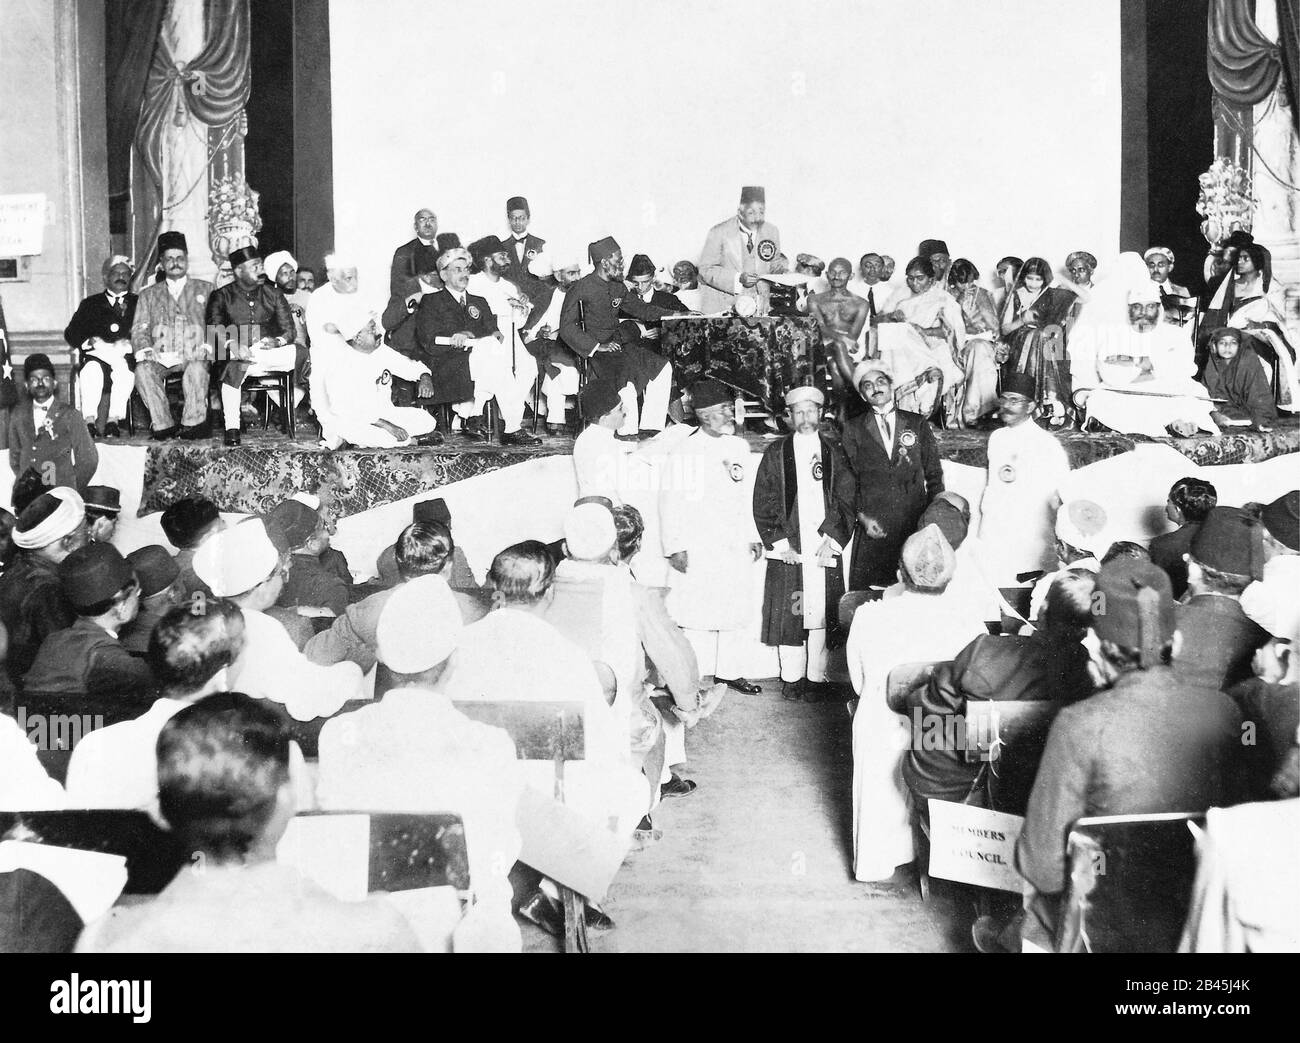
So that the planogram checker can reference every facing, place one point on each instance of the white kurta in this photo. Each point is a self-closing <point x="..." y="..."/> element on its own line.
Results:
<point x="271" y="667"/>
<point x="705" y="509"/>
<point x="510" y="321"/>
<point x="1027" y="466"/>
<point x="600" y="462"/>
<point x="907" y="628"/>
<point x="811" y="505"/>
<point x="353" y="389"/>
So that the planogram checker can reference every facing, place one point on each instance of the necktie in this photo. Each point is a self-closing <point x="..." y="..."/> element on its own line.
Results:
<point x="871" y="303"/>
<point x="519" y="249"/>
<point x="886" y="430"/>
<point x="749" y="241"/>
<point x="119" y="305"/>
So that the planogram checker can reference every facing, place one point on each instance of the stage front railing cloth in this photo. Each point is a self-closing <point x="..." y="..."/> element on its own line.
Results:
<point x="763" y="357"/>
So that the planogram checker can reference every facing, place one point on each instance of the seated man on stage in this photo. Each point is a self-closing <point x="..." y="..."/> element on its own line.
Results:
<point x="589" y="325"/>
<point x="552" y="277"/>
<point x="101" y="328"/>
<point x="641" y="274"/>
<point x="841" y="316"/>
<point x="1130" y="371"/>
<point x="509" y="304"/>
<point x="459" y="340"/>
<point x="687" y="278"/>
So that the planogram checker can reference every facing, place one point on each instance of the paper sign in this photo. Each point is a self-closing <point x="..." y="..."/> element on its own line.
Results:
<point x="974" y="845"/>
<point x="22" y="224"/>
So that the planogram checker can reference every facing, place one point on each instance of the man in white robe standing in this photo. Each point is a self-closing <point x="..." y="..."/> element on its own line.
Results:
<point x="708" y="536"/>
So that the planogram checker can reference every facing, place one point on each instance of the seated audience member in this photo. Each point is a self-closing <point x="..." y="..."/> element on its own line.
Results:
<point x="47" y="436"/>
<point x="7" y="548"/>
<point x="225" y="789"/>
<point x="425" y="548"/>
<point x="1218" y="639"/>
<point x="414" y="752"/>
<point x="1051" y="664"/>
<point x="931" y="336"/>
<point x="1270" y="701"/>
<point x="1281" y="520"/>
<point x="1150" y="742"/>
<point x="600" y="458"/>
<point x="542" y="335"/>
<point x="189" y="654"/>
<point x="912" y="623"/>
<point x="353" y="398"/>
<point x="318" y="574"/>
<point x="458" y="574"/>
<point x="32" y="603"/>
<point x="1082" y="537"/>
<point x="977" y="308"/>
<point x="971" y="582"/>
<point x="101" y="329"/>
<point x="24" y="785"/>
<point x="103" y="505"/>
<point x="460" y="343"/>
<point x="160" y="589"/>
<point x="1189" y="501"/>
<point x="1234" y="373"/>
<point x="1034" y="319"/>
<point x="687" y="278"/>
<point x="513" y="653"/>
<point x="1125" y="549"/>
<point x="186" y="524"/>
<point x="242" y="564"/>
<point x="86" y="658"/>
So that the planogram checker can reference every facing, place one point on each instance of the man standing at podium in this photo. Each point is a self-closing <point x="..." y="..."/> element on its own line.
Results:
<point x="738" y="251"/>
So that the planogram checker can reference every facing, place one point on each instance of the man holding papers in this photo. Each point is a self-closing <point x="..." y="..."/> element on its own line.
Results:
<point x="738" y="251"/>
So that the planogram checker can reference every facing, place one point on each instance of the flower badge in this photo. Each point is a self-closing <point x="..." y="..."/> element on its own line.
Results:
<point x="736" y="471"/>
<point x="817" y="471"/>
<point x="615" y="301"/>
<point x="474" y="313"/>
<point x="48" y="428"/>
<point x="113" y="327"/>
<point x="766" y="250"/>
<point x="907" y="439"/>
<point x="1007" y="473"/>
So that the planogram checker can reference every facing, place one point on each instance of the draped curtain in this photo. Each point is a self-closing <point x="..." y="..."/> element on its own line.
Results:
<point x="1244" y="65"/>
<point x="131" y="37"/>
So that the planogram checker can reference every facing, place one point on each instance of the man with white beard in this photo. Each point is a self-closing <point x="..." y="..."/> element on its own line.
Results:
<point x="542" y="334"/>
<point x="508" y="303"/>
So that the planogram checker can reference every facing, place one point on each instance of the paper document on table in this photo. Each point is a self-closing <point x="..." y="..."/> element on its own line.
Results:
<point x="788" y="278"/>
<point x="809" y="558"/>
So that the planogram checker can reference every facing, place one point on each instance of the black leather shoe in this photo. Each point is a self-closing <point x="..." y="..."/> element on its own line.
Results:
<point x="111" y="430"/>
<point x="432" y="438"/>
<point x="473" y="429"/>
<point x="91" y="428"/>
<point x="232" y="437"/>
<point x="539" y="909"/>
<point x="196" y="433"/>
<point x="164" y="435"/>
<point x="677" y="787"/>
<point x="520" y="437"/>
<point x="792" y="691"/>
<point x="597" y="919"/>
<point x="741" y="684"/>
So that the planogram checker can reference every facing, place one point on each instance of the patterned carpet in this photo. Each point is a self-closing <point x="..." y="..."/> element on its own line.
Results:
<point x="269" y="467"/>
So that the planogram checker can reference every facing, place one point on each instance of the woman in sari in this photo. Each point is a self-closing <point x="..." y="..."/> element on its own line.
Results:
<point x="1034" y="322"/>
<point x="922" y="329"/>
<point x="1235" y="374"/>
<point x="1252" y="308"/>
<point x="981" y="390"/>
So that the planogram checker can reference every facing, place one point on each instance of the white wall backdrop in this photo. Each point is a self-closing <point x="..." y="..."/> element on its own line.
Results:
<point x="872" y="123"/>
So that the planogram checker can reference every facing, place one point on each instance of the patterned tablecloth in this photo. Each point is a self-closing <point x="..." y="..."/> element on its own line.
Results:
<point x="763" y="357"/>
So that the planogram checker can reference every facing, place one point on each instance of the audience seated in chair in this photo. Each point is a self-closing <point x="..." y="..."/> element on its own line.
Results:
<point x="160" y="589"/>
<point x="1189" y="501"/>
<point x="318" y="574"/>
<point x="459" y="576"/>
<point x="186" y="524"/>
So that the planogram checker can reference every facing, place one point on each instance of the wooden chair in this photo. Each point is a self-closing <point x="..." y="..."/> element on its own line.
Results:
<point x="551" y="731"/>
<point x="1007" y="740"/>
<point x="850" y="602"/>
<point x="278" y="382"/>
<point x="409" y="851"/>
<point x="172" y="382"/>
<point x="1130" y="883"/>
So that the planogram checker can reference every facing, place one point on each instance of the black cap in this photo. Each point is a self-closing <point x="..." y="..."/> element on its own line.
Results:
<point x="92" y="574"/>
<point x="34" y="362"/>
<point x="184" y="520"/>
<point x="244" y="253"/>
<point x="172" y="241"/>
<point x="641" y="265"/>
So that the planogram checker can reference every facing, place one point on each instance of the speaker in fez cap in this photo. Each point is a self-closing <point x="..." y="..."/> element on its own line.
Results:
<point x="753" y="194"/>
<point x="93" y="574"/>
<point x="1134" y="607"/>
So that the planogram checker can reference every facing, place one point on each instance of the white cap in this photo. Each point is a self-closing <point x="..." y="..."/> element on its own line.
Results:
<point x="589" y="532"/>
<point x="1082" y="524"/>
<point x="541" y="266"/>
<point x="870" y="366"/>
<point x="1271" y="601"/>
<point x="419" y="626"/>
<point x="236" y="560"/>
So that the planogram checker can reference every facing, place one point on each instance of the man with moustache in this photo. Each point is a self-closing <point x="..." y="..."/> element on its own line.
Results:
<point x="937" y="251"/>
<point x="870" y="284"/>
<point x="542" y="335"/>
<point x="521" y="246"/>
<point x="509" y="304"/>
<point x="101" y="328"/>
<point x="892" y="475"/>
<point x="737" y="252"/>
<point x="404" y="275"/>
<point x="796" y="517"/>
<point x="168" y="336"/>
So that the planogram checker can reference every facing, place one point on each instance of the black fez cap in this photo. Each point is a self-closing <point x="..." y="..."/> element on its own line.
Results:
<point x="710" y="392"/>
<point x="597" y="398"/>
<point x="434" y="510"/>
<point x="641" y="265"/>
<point x="92" y="574"/>
<point x="244" y="253"/>
<point x="602" y="249"/>
<point x="1020" y="384"/>
<point x="753" y="194"/>
<point x="485" y="247"/>
<point x="931" y="246"/>
<point x="172" y="241"/>
<point x="154" y="568"/>
<point x="34" y="362"/>
<point x="1282" y="519"/>
<point x="517" y="203"/>
<point x="184" y="520"/>
<point x="103" y="498"/>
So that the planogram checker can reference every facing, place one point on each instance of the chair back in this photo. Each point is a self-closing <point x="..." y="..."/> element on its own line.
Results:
<point x="406" y="851"/>
<point x="905" y="678"/>
<point x="540" y="730"/>
<point x="849" y="604"/>
<point x="307" y="733"/>
<point x="1130" y="883"/>
<point x="1009" y="736"/>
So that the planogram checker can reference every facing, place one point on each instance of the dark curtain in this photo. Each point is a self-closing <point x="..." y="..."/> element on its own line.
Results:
<point x="131" y="33"/>
<point x="1288" y="23"/>
<point x="1243" y="64"/>
<point x="214" y="87"/>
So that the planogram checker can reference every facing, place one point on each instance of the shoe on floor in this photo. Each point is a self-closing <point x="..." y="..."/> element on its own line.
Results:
<point x="557" y="430"/>
<point x="677" y="787"/>
<point x="165" y="434"/>
<point x="818" y="692"/>
<point x="740" y="684"/>
<point x="232" y="437"/>
<point x="520" y="437"/>
<point x="91" y="428"/>
<point x="597" y="919"/>
<point x="432" y="438"/>
<point x="792" y="691"/>
<point x="112" y="430"/>
<point x="473" y="429"/>
<point x="196" y="433"/>
<point x="711" y="698"/>
<point x="645" y="833"/>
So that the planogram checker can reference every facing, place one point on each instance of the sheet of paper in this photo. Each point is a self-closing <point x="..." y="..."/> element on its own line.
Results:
<point x="974" y="845"/>
<point x="788" y="278"/>
<point x="433" y="913"/>
<point x="332" y="850"/>
<point x="90" y="880"/>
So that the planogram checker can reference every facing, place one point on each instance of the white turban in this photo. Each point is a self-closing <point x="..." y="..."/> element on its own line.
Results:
<point x="1271" y="601"/>
<point x="870" y="366"/>
<point x="1083" y="525"/>
<point x="236" y="560"/>
<point x="1148" y="294"/>
<point x="589" y="532"/>
<point x="276" y="261"/>
<point x="457" y="253"/>
<point x="48" y="522"/>
<point x="419" y="626"/>
<point x="1161" y="251"/>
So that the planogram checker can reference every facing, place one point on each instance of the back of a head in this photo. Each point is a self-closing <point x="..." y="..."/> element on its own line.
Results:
<point x="185" y="521"/>
<point x="1133" y="612"/>
<point x="630" y="527"/>
<point x="1068" y="609"/>
<point x="28" y="486"/>
<point x="222" y="764"/>
<point x="1194" y="497"/>
<point x="1126" y="549"/>
<point x="423" y="549"/>
<point x="522" y="574"/>
<point x="187" y="649"/>
<point x="928" y="560"/>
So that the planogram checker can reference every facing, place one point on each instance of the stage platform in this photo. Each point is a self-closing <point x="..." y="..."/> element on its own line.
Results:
<point x="268" y="467"/>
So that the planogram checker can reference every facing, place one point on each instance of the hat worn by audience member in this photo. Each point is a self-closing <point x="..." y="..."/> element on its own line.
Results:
<point x="1159" y="251"/>
<point x="1282" y="519"/>
<point x="434" y="510"/>
<point x="1272" y="603"/>
<point x="419" y="626"/>
<point x="597" y="398"/>
<point x="710" y="392"/>
<point x="236" y="560"/>
<point x="485" y="247"/>
<point x="447" y="241"/>
<point x="1020" y="384"/>
<point x="172" y="241"/>
<point x="35" y="363"/>
<point x="296" y="521"/>
<point x="931" y="246"/>
<point x="186" y="519"/>
<point x="589" y="533"/>
<point x="517" y="203"/>
<point x="804" y="393"/>
<point x="49" y="518"/>
<point x="928" y="559"/>
<point x="641" y="265"/>
<point x="870" y="366"/>
<point x="951" y="513"/>
<point x="243" y="255"/>
<point x="103" y="499"/>
<point x="753" y="194"/>
<point x="115" y="261"/>
<point x="1134" y="607"/>
<point x="1082" y="524"/>
<point x="93" y="574"/>
<point x="154" y="568"/>
<point x="1230" y="540"/>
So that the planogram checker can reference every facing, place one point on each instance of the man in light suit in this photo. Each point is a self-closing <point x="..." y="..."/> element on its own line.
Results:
<point x="738" y="251"/>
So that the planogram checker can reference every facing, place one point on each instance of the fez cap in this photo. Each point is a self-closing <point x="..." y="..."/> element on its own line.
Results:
<point x="154" y="568"/>
<point x="92" y="574"/>
<point x="104" y="499"/>
<point x="296" y="521"/>
<point x="243" y="254"/>
<point x="753" y="194"/>
<point x="1134" y="607"/>
<point x="710" y="392"/>
<point x="434" y="510"/>
<point x="641" y="265"/>
<point x="34" y="362"/>
<point x="1020" y="384"/>
<point x="931" y="246"/>
<point x="1282" y="519"/>
<point x="597" y="398"/>
<point x="172" y="241"/>
<point x="1230" y="540"/>
<point x="602" y="249"/>
<point x="517" y="203"/>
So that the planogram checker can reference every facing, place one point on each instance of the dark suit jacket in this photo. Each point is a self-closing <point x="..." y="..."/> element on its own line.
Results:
<point x="84" y="659"/>
<point x="518" y="273"/>
<point x="894" y="488"/>
<point x="403" y="279"/>
<point x="1219" y="640"/>
<point x="441" y="315"/>
<point x="95" y="317"/>
<point x="73" y="454"/>
<point x="1167" y="551"/>
<point x="32" y="607"/>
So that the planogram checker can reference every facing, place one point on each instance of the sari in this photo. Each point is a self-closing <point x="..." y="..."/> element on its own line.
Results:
<point x="1242" y="382"/>
<point x="1264" y="321"/>
<point x="1040" y="352"/>
<point x="978" y="358"/>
